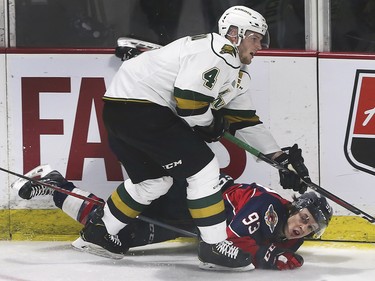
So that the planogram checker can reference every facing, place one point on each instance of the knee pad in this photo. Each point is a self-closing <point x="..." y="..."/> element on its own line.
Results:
<point x="205" y="182"/>
<point x="147" y="191"/>
<point x="119" y="212"/>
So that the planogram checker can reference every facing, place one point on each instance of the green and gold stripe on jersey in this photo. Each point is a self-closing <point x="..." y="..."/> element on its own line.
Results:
<point x="190" y="103"/>
<point x="239" y="119"/>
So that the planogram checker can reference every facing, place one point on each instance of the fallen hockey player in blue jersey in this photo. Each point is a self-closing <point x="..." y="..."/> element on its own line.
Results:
<point x="259" y="220"/>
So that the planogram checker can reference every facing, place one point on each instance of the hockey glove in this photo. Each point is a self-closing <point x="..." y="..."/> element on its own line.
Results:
<point x="214" y="131"/>
<point x="279" y="259"/>
<point x="125" y="53"/>
<point x="297" y="178"/>
<point x="287" y="260"/>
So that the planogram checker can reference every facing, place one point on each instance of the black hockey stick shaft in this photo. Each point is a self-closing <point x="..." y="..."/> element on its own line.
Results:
<point x="312" y="185"/>
<point x="167" y="226"/>
<point x="100" y="203"/>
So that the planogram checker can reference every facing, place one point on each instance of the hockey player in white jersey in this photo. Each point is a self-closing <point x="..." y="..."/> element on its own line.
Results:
<point x="160" y="110"/>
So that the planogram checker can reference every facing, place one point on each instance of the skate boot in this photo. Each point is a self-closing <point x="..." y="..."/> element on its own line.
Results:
<point x="223" y="256"/>
<point x="96" y="240"/>
<point x="32" y="189"/>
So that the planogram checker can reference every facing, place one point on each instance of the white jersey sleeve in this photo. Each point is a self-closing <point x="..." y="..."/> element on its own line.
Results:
<point x="259" y="137"/>
<point x="244" y="121"/>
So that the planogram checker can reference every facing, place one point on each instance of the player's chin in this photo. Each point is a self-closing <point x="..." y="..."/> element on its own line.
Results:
<point x="247" y="60"/>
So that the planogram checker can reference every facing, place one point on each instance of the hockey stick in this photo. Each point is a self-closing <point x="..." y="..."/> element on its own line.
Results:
<point x="312" y="185"/>
<point x="100" y="203"/>
<point x="136" y="44"/>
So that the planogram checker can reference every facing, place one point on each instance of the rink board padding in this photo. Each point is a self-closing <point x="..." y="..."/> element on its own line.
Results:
<point x="53" y="224"/>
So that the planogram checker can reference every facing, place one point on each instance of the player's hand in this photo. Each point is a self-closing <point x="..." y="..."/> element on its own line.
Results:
<point x="290" y="180"/>
<point x="297" y="161"/>
<point x="287" y="260"/>
<point x="215" y="130"/>
<point x="298" y="175"/>
<point x="272" y="257"/>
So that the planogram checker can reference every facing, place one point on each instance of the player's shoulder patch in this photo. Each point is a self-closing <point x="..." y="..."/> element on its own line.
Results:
<point x="228" y="49"/>
<point x="271" y="218"/>
<point x="225" y="50"/>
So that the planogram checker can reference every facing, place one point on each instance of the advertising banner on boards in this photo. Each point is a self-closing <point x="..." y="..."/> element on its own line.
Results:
<point x="360" y="134"/>
<point x="347" y="129"/>
<point x="55" y="118"/>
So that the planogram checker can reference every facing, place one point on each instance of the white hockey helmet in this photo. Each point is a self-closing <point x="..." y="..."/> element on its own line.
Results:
<point x="244" y="19"/>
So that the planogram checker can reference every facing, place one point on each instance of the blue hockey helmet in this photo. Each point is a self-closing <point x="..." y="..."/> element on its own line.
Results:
<point x="319" y="209"/>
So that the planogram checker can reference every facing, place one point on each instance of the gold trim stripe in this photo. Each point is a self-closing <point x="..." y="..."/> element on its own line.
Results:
<point x="121" y="206"/>
<point x="208" y="211"/>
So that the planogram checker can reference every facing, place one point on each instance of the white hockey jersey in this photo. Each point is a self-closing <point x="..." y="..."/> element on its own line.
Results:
<point x="191" y="76"/>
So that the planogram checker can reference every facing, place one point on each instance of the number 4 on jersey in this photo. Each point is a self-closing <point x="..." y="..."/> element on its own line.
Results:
<point x="210" y="77"/>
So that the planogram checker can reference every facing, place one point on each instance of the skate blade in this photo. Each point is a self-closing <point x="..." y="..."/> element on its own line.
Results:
<point x="80" y="245"/>
<point x="215" y="267"/>
<point x="36" y="173"/>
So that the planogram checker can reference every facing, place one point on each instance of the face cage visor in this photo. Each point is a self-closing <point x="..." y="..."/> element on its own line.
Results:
<point x="321" y="220"/>
<point x="265" y="42"/>
<point x="241" y="33"/>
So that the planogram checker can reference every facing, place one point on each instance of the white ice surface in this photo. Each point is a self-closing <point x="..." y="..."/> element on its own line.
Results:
<point x="50" y="261"/>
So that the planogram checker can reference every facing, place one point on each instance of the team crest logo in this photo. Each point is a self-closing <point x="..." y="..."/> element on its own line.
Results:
<point x="228" y="49"/>
<point x="360" y="133"/>
<point x="271" y="218"/>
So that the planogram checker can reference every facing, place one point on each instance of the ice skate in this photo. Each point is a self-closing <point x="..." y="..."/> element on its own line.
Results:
<point x="223" y="256"/>
<point x="87" y="247"/>
<point x="96" y="240"/>
<point x="31" y="189"/>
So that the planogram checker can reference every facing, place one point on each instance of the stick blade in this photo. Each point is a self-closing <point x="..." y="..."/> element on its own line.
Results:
<point x="135" y="43"/>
